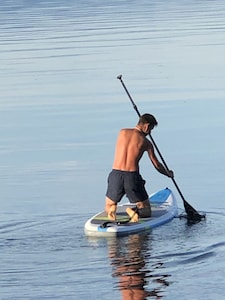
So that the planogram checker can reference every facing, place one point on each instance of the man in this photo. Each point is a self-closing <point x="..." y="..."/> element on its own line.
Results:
<point x="124" y="177"/>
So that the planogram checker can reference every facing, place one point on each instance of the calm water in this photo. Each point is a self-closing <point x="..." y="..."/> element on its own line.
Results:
<point x="61" y="107"/>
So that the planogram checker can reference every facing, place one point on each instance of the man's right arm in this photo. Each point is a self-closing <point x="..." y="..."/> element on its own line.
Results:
<point x="156" y="163"/>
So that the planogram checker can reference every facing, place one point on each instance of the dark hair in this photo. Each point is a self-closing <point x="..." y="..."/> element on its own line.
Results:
<point x="148" y="118"/>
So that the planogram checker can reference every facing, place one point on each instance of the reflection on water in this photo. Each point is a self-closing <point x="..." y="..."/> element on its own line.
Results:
<point x="52" y="50"/>
<point x="133" y="269"/>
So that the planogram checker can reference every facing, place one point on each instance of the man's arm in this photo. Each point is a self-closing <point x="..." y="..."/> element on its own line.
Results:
<point x="156" y="163"/>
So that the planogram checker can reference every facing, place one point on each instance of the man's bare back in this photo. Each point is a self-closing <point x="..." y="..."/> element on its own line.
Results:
<point x="131" y="144"/>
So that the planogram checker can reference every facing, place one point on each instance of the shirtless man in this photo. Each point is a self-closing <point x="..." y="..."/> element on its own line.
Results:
<point x="124" y="177"/>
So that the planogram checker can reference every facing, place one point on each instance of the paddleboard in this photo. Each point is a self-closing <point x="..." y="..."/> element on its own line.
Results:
<point x="164" y="209"/>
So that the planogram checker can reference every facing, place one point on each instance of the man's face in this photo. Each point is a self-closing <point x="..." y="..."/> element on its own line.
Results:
<point x="147" y="128"/>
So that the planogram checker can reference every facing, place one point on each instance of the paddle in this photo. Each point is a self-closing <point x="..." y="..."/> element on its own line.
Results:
<point x="192" y="215"/>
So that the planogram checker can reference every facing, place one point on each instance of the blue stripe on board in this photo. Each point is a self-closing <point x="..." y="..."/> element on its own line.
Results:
<point x="160" y="196"/>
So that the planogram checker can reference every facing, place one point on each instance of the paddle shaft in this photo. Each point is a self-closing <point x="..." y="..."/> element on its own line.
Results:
<point x="154" y="144"/>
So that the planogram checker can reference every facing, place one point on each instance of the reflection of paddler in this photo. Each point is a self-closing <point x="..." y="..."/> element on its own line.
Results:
<point x="128" y="263"/>
<point x="128" y="258"/>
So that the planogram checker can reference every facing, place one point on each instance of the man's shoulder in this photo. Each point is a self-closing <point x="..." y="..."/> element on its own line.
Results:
<point x="148" y="144"/>
<point x="127" y="129"/>
<point x="124" y="130"/>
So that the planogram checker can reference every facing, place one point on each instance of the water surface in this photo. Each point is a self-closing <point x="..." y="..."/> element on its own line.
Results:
<point x="61" y="107"/>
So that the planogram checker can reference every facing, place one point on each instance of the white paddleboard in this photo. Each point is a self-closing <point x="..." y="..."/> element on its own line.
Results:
<point x="164" y="209"/>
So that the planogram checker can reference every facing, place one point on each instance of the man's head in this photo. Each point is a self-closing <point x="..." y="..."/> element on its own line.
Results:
<point x="148" y="118"/>
<point x="147" y="122"/>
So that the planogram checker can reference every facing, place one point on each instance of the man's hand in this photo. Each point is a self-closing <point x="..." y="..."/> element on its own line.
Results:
<point x="170" y="173"/>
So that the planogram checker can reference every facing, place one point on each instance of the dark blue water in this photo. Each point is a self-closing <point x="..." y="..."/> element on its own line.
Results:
<point x="61" y="107"/>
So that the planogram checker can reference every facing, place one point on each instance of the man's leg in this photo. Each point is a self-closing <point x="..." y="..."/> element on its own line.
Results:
<point x="143" y="210"/>
<point x="132" y="213"/>
<point x="110" y="208"/>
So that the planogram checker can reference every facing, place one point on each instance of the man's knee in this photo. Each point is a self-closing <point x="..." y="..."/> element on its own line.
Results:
<point x="144" y="209"/>
<point x="144" y="212"/>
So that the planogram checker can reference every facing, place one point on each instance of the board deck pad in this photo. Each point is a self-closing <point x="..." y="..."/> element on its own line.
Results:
<point x="164" y="209"/>
<point x="122" y="216"/>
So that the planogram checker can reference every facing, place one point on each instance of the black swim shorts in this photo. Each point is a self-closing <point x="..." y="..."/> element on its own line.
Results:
<point x="129" y="183"/>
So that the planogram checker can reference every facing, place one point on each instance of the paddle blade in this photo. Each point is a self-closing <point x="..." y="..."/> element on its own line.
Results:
<point x="192" y="215"/>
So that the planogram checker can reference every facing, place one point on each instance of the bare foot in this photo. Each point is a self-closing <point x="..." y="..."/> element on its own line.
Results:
<point x="132" y="214"/>
<point x="112" y="213"/>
